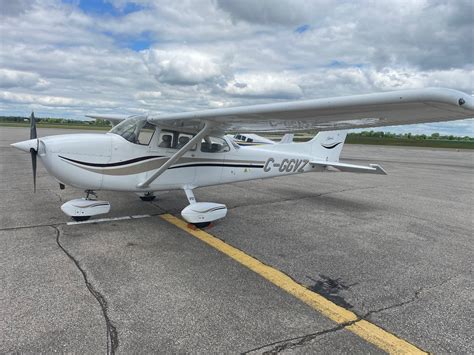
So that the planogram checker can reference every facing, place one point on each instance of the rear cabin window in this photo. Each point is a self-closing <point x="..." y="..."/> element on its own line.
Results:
<point x="214" y="145"/>
<point x="174" y="140"/>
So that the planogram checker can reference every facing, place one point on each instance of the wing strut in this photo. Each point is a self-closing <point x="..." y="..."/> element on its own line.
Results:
<point x="176" y="155"/>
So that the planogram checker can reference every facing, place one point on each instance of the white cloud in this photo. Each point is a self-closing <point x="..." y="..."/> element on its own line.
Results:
<point x="15" y="78"/>
<point x="269" y="85"/>
<point x="182" y="66"/>
<point x="148" y="95"/>
<point x="285" y="12"/>
<point x="46" y="100"/>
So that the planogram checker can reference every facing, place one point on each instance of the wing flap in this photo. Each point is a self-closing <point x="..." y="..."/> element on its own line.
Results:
<point x="343" y="167"/>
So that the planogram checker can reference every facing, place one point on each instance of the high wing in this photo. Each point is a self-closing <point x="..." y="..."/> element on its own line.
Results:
<point x="359" y="111"/>
<point x="114" y="119"/>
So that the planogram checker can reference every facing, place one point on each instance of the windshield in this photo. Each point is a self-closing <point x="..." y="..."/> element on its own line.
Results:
<point x="136" y="130"/>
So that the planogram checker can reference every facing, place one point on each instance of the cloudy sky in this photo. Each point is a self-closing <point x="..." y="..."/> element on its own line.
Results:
<point x="72" y="57"/>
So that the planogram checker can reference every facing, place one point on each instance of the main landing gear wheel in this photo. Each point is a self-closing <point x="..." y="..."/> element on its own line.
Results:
<point x="201" y="214"/>
<point x="80" y="218"/>
<point x="147" y="198"/>
<point x="202" y="224"/>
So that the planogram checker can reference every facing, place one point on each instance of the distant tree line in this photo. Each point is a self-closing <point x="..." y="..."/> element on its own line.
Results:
<point x="433" y="136"/>
<point x="51" y="120"/>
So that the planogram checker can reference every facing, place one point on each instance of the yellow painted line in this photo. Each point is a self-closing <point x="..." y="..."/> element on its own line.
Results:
<point x="364" y="329"/>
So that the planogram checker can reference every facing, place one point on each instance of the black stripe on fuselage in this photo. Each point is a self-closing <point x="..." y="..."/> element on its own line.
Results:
<point x="119" y="163"/>
<point x="217" y="164"/>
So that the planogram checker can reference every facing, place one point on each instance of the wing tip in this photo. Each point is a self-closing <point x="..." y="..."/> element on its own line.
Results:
<point x="379" y="169"/>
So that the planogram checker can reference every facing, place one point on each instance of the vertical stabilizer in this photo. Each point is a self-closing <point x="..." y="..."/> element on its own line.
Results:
<point x="327" y="145"/>
<point x="287" y="138"/>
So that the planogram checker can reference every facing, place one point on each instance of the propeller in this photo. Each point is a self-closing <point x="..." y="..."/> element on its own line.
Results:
<point x="33" y="152"/>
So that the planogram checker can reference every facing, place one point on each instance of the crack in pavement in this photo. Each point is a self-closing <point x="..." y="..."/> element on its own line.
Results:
<point x="415" y="297"/>
<point x="298" y="341"/>
<point x="292" y="343"/>
<point x="111" y="330"/>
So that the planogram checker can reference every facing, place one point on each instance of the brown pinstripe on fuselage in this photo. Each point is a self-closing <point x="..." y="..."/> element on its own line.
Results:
<point x="155" y="162"/>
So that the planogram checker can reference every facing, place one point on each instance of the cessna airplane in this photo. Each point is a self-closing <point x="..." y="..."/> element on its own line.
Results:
<point x="145" y="154"/>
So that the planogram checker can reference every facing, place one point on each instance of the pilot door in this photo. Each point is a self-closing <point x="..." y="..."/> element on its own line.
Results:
<point x="209" y="164"/>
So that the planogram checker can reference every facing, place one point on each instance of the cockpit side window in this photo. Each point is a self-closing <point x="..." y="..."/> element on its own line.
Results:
<point x="146" y="134"/>
<point x="135" y="130"/>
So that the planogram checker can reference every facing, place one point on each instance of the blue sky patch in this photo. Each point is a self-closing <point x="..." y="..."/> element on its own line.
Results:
<point x="103" y="7"/>
<point x="302" y="29"/>
<point x="137" y="43"/>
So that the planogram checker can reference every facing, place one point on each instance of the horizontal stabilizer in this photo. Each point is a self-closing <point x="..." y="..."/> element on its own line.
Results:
<point x="361" y="169"/>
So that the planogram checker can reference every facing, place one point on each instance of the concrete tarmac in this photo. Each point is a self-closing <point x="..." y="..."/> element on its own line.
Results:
<point x="396" y="250"/>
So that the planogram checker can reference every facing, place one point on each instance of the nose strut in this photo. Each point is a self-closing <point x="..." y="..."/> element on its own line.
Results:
<point x="27" y="145"/>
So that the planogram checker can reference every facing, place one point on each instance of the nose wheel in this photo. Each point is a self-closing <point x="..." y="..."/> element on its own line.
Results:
<point x="80" y="218"/>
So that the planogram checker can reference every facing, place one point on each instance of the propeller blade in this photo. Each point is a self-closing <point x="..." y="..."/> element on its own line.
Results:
<point x="33" y="134"/>
<point x="33" y="153"/>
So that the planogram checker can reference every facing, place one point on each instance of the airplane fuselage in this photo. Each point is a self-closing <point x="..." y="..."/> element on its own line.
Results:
<point x="110" y="162"/>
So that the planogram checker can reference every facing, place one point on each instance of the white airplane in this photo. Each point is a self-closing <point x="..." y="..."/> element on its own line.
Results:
<point x="249" y="139"/>
<point x="184" y="151"/>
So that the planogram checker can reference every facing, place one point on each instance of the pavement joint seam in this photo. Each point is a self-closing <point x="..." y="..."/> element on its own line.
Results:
<point x="305" y="198"/>
<point x="52" y="225"/>
<point x="111" y="330"/>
